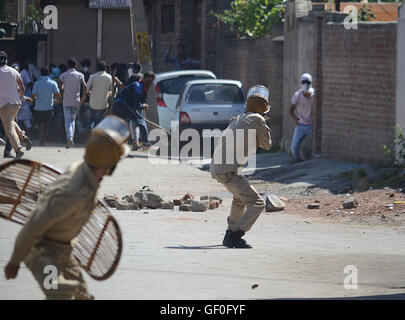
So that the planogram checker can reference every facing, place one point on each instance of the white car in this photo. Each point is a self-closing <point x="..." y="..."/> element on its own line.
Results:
<point x="168" y="86"/>
<point x="210" y="104"/>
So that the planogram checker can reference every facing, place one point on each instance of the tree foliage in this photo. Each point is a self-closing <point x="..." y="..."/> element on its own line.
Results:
<point x="366" y="14"/>
<point x="32" y="22"/>
<point x="252" y="18"/>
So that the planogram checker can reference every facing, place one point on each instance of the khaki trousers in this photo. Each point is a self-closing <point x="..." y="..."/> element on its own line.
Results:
<point x="69" y="284"/>
<point x="247" y="203"/>
<point x="8" y="113"/>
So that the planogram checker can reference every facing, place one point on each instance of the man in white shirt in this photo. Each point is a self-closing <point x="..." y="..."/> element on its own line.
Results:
<point x="10" y="102"/>
<point x="100" y="87"/>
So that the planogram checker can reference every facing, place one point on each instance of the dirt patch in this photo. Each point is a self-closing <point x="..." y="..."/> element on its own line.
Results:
<point x="383" y="206"/>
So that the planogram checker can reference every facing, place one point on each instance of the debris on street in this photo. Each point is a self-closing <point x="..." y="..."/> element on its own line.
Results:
<point x="350" y="203"/>
<point x="147" y="198"/>
<point x="314" y="205"/>
<point x="110" y="200"/>
<point x="274" y="203"/>
<point x="200" y="206"/>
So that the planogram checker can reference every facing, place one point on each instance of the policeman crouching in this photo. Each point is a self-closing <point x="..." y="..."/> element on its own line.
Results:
<point x="247" y="203"/>
<point x="47" y="238"/>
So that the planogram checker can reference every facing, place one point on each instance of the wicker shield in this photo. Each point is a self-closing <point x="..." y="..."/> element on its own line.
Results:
<point x="99" y="243"/>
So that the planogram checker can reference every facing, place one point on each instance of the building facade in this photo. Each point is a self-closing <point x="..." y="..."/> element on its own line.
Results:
<point x="101" y="30"/>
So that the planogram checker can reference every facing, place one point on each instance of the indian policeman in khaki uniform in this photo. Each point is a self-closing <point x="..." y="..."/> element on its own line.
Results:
<point x="247" y="203"/>
<point x="48" y="237"/>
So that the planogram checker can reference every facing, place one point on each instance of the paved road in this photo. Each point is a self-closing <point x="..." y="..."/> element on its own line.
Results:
<point x="177" y="255"/>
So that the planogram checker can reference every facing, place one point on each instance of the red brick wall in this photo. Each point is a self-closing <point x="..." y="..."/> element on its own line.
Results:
<point x="358" y="91"/>
<point x="258" y="61"/>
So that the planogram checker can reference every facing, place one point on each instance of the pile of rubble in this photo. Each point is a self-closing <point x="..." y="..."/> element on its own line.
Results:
<point x="146" y="198"/>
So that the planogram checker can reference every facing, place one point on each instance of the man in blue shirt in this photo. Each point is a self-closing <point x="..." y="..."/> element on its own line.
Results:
<point x="129" y="104"/>
<point x="44" y="92"/>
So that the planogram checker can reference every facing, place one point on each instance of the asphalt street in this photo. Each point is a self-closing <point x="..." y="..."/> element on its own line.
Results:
<point x="169" y="254"/>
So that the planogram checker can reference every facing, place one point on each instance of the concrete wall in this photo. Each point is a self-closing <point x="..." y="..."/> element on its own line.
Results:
<point x="259" y="61"/>
<point x="400" y="90"/>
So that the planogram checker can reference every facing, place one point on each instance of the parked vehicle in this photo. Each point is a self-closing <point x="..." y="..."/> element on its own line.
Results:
<point x="209" y="104"/>
<point x="168" y="86"/>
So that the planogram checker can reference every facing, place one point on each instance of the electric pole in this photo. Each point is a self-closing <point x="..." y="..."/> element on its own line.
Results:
<point x="140" y="45"/>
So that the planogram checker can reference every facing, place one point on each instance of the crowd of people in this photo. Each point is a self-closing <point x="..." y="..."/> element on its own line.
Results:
<point x="62" y="103"/>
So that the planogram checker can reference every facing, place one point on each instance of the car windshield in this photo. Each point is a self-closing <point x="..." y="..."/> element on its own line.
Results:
<point x="174" y="85"/>
<point x="217" y="93"/>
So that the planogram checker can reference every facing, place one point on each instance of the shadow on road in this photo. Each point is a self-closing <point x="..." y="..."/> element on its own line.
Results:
<point x="216" y="246"/>
<point x="396" y="296"/>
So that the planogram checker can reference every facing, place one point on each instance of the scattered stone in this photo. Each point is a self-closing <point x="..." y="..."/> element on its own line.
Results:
<point x="392" y="195"/>
<point x="110" y="200"/>
<point x="133" y="199"/>
<point x="214" y="204"/>
<point x="188" y="196"/>
<point x="125" y="205"/>
<point x="200" y="206"/>
<point x="314" y="206"/>
<point x="149" y="199"/>
<point x="350" y="203"/>
<point x="187" y="201"/>
<point x="146" y="212"/>
<point x="274" y="203"/>
<point x="185" y="207"/>
<point x="177" y="202"/>
<point x="143" y="197"/>
<point x="212" y="198"/>
<point x="167" y="205"/>
<point x="284" y="198"/>
<point x="255" y="286"/>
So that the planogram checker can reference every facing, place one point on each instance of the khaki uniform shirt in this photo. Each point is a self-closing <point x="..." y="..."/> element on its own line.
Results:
<point x="61" y="211"/>
<point x="227" y="159"/>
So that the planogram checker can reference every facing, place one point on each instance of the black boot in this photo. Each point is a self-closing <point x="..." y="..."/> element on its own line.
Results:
<point x="226" y="238"/>
<point x="235" y="240"/>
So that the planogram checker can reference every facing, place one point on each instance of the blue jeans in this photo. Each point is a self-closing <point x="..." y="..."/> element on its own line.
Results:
<point x="299" y="134"/>
<point x="121" y="110"/>
<point x="95" y="117"/>
<point x="70" y="121"/>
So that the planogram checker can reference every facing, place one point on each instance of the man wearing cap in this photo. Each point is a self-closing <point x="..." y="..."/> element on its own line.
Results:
<point x="247" y="203"/>
<point x="48" y="237"/>
<point x="10" y="102"/>
<point x="303" y="101"/>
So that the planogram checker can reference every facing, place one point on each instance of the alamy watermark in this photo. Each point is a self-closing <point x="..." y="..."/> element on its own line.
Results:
<point x="351" y="280"/>
<point x="51" y="280"/>
<point x="229" y="147"/>
<point x="351" y="21"/>
<point x="51" y="17"/>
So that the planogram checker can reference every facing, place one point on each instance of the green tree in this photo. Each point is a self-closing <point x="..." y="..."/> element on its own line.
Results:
<point x="252" y="18"/>
<point x="32" y="22"/>
<point x="365" y="13"/>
